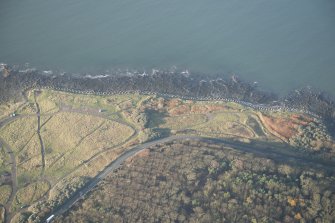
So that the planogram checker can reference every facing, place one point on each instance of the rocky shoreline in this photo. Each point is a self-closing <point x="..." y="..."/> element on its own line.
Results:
<point x="15" y="79"/>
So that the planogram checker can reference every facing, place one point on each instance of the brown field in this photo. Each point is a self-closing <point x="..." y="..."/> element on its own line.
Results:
<point x="284" y="128"/>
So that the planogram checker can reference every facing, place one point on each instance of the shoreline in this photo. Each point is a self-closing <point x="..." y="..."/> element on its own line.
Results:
<point x="184" y="85"/>
<point x="260" y="107"/>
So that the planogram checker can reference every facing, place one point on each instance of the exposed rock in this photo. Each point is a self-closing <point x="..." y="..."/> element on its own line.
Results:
<point x="5" y="70"/>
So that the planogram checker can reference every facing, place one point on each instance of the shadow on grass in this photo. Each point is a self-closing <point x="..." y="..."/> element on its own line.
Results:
<point x="155" y="118"/>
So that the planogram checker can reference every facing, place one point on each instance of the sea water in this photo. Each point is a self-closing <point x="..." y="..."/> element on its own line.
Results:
<point x="281" y="44"/>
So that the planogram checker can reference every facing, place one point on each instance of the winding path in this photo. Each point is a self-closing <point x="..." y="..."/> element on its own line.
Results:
<point x="38" y="113"/>
<point x="13" y="178"/>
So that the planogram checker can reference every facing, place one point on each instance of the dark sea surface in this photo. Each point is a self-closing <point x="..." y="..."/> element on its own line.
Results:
<point x="282" y="44"/>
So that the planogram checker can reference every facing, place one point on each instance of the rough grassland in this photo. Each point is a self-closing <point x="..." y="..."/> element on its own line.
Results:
<point x="31" y="193"/>
<point x="109" y="104"/>
<point x="19" y="132"/>
<point x="47" y="106"/>
<point x="182" y="122"/>
<point x="206" y="118"/>
<point x="226" y="124"/>
<point x="29" y="161"/>
<point x="5" y="191"/>
<point x="82" y="134"/>
<point x="70" y="139"/>
<point x="4" y="161"/>
<point x="73" y="137"/>
<point x="28" y="108"/>
<point x="8" y="108"/>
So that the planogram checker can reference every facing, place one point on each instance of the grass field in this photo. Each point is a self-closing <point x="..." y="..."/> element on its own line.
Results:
<point x="51" y="100"/>
<point x="4" y="161"/>
<point x="182" y="122"/>
<point x="30" y="193"/>
<point x="47" y="106"/>
<point x="5" y="191"/>
<point x="71" y="136"/>
<point x="7" y="108"/>
<point x="27" y="109"/>
<point x="226" y="124"/>
<point x="19" y="132"/>
<point x="70" y="139"/>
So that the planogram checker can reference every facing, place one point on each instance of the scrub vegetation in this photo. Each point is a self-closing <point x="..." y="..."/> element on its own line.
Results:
<point x="58" y="142"/>
<point x="194" y="181"/>
<point x="5" y="191"/>
<point x="8" y="108"/>
<point x="218" y="119"/>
